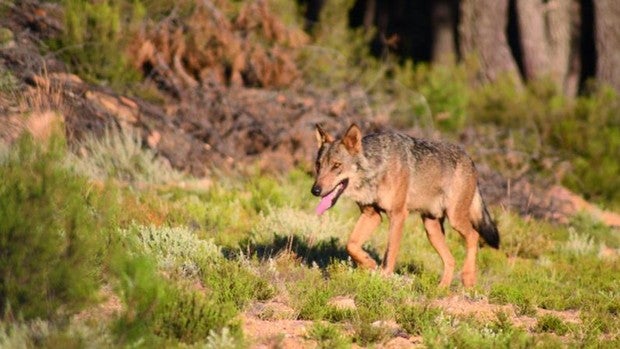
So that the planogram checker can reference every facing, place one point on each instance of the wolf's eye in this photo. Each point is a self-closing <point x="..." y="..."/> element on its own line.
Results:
<point x="336" y="165"/>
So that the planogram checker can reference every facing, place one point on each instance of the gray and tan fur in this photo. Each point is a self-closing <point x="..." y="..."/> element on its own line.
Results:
<point x="395" y="174"/>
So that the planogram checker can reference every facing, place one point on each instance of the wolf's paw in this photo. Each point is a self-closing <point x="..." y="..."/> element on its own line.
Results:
<point x="468" y="279"/>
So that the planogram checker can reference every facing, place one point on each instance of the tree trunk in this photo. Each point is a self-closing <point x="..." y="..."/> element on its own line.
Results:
<point x="607" y="37"/>
<point x="369" y="14"/>
<point x="545" y="29"/>
<point x="442" y="20"/>
<point x="533" y="39"/>
<point x="571" y="82"/>
<point x="483" y="34"/>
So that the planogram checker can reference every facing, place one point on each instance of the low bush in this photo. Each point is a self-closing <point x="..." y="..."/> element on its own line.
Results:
<point x="52" y="233"/>
<point x="177" y="250"/>
<point x="190" y="317"/>
<point x="584" y="131"/>
<point x="119" y="154"/>
<point x="93" y="39"/>
<point x="240" y="290"/>
<point x="46" y="334"/>
<point x="415" y="319"/>
<point x="328" y="336"/>
<point x="157" y="310"/>
<point x="182" y="255"/>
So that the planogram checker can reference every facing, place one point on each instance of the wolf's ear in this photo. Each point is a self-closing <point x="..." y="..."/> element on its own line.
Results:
<point x="352" y="139"/>
<point x="322" y="136"/>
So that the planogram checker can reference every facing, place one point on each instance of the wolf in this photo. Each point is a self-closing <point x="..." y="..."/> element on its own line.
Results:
<point x="393" y="174"/>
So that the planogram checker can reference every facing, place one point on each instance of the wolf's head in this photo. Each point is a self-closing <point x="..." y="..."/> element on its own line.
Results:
<point x="336" y="164"/>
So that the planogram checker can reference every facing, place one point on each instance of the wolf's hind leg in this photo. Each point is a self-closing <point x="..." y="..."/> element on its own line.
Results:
<point x="366" y="224"/>
<point x="458" y="211"/>
<point x="462" y="224"/>
<point x="437" y="237"/>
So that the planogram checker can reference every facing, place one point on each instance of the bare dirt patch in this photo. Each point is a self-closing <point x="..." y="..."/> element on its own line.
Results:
<point x="484" y="311"/>
<point x="276" y="333"/>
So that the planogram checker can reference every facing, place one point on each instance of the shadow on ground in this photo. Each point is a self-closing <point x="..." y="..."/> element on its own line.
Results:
<point x="320" y="253"/>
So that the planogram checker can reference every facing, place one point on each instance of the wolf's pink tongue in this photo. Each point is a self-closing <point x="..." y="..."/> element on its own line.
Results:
<point x="326" y="201"/>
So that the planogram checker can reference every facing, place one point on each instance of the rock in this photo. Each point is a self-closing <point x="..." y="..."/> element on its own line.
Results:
<point x="64" y="78"/>
<point x="570" y="204"/>
<point x="112" y="105"/>
<point x="337" y="107"/>
<point x="43" y="124"/>
<point x="342" y="303"/>
<point x="272" y="311"/>
<point x="400" y="342"/>
<point x="390" y="326"/>
<point x="153" y="139"/>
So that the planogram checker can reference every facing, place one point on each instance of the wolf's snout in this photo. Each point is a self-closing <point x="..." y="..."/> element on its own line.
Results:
<point x="316" y="190"/>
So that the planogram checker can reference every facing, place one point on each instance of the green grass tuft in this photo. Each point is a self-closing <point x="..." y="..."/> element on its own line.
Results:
<point x="552" y="323"/>
<point x="328" y="336"/>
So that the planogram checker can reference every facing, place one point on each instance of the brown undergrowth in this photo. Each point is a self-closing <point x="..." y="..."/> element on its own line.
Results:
<point x="250" y="48"/>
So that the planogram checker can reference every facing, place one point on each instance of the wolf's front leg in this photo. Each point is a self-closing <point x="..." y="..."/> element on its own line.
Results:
<point x="366" y="224"/>
<point x="397" y="220"/>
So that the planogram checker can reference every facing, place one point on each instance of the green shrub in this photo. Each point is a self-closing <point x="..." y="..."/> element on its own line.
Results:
<point x="305" y="225"/>
<point x="472" y="335"/>
<point x="524" y="301"/>
<point x="179" y="252"/>
<point x="156" y="310"/>
<point x="45" y="334"/>
<point x="591" y="138"/>
<point x="339" y="54"/>
<point x="328" y="336"/>
<point x="142" y="292"/>
<point x="238" y="290"/>
<point x="415" y="319"/>
<point x="175" y="249"/>
<point x="311" y="294"/>
<point x="367" y="333"/>
<point x="51" y="233"/>
<point x="584" y="224"/>
<point x="525" y="239"/>
<point x="94" y="37"/>
<point x="443" y="95"/>
<point x="190" y="316"/>
<point x="546" y="125"/>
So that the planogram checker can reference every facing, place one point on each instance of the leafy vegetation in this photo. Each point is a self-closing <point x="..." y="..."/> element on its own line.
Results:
<point x="119" y="154"/>
<point x="177" y="284"/>
<point x="50" y="237"/>
<point x="583" y="132"/>
<point x="85" y="261"/>
<point x="93" y="33"/>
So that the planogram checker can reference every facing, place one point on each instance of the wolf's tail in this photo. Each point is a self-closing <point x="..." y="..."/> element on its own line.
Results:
<point x="482" y="221"/>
